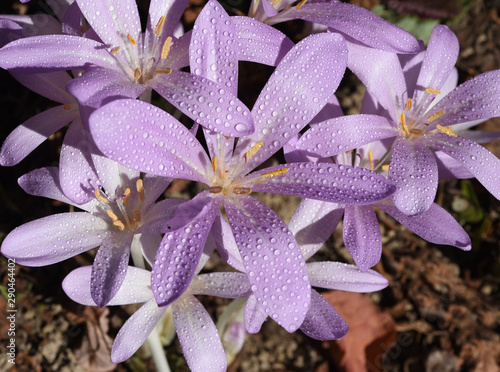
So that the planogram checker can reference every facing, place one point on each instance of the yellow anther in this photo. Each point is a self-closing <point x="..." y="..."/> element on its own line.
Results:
<point x="432" y="91"/>
<point x="370" y="156"/>
<point x="140" y="189"/>
<point x="385" y="167"/>
<point x="137" y="74"/>
<point x="215" y="163"/>
<point x="67" y="106"/>
<point x="242" y="191"/>
<point x="137" y="215"/>
<point x="435" y="116"/>
<point x="274" y="173"/>
<point x="131" y="39"/>
<point x="115" y="50"/>
<point x="112" y="215"/>
<point x="417" y="131"/>
<point x="100" y="197"/>
<point x="166" y="48"/>
<point x="159" y="25"/>
<point x="119" y="224"/>
<point x="253" y="150"/>
<point x="227" y="137"/>
<point x="372" y="165"/>
<point x="163" y="71"/>
<point x="446" y="130"/>
<point x="301" y="4"/>
<point x="403" y="123"/>
<point x="125" y="196"/>
<point x="408" y="104"/>
<point x="215" y="189"/>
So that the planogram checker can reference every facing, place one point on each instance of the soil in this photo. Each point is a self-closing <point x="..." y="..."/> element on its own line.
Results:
<point x="439" y="313"/>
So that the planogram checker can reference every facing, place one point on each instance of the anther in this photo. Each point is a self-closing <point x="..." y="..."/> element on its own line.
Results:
<point x="82" y="30"/>
<point x="301" y="4"/>
<point x="385" y="167"/>
<point x="432" y="91"/>
<point x="100" y="197"/>
<point x="166" y="48"/>
<point x="67" y="106"/>
<point x="140" y="189"/>
<point x="125" y="196"/>
<point x="115" y="50"/>
<point x="417" y="131"/>
<point x="112" y="215"/>
<point x="408" y="104"/>
<point x="446" y="130"/>
<point x="131" y="39"/>
<point x="370" y="156"/>
<point x="215" y="163"/>
<point x="119" y="224"/>
<point x="137" y="74"/>
<point x="163" y="71"/>
<point x="372" y="166"/>
<point x="242" y="191"/>
<point x="215" y="189"/>
<point x="137" y="215"/>
<point x="159" y="26"/>
<point x="253" y="150"/>
<point x="403" y="123"/>
<point x="435" y="116"/>
<point x="274" y="173"/>
<point x="227" y="137"/>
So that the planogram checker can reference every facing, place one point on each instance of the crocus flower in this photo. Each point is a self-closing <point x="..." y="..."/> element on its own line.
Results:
<point x="145" y="138"/>
<point x="124" y="61"/>
<point x="407" y="93"/>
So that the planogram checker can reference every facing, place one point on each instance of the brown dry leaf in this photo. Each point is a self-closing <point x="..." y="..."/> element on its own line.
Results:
<point x="94" y="354"/>
<point x="371" y="332"/>
<point x="483" y="356"/>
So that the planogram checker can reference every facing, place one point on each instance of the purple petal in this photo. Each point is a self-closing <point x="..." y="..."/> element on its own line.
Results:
<point x="10" y="31"/>
<point x="255" y="315"/>
<point x="345" y="133"/>
<point x="34" y="25"/>
<point x="136" y="330"/>
<point x="226" y="244"/>
<point x="72" y="20"/>
<point x="198" y="98"/>
<point x="272" y="259"/>
<point x="198" y="336"/>
<point x="30" y="134"/>
<point x="345" y="277"/>
<point x="322" y="321"/>
<point x="435" y="225"/>
<point x="221" y="284"/>
<point x="449" y="168"/>
<point x="54" y="238"/>
<point x="484" y="165"/>
<point x="362" y="236"/>
<point x="413" y="170"/>
<point x="324" y="181"/>
<point x="156" y="143"/>
<point x="54" y="52"/>
<point x="172" y="11"/>
<point x="51" y="85"/>
<point x="177" y="258"/>
<point x="313" y="222"/>
<point x="147" y="244"/>
<point x="155" y="187"/>
<point x="261" y="43"/>
<point x="110" y="266"/>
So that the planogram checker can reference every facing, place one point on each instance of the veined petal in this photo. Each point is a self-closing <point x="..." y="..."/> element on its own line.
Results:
<point x="221" y="284"/>
<point x="177" y="258"/>
<point x="362" y="236"/>
<point x="345" y="277"/>
<point x="51" y="85"/>
<point x="323" y="181"/>
<point x="54" y="238"/>
<point x="114" y="177"/>
<point x="322" y="321"/>
<point x="226" y="244"/>
<point x="449" y="168"/>
<point x="413" y="170"/>
<point x="30" y="134"/>
<point x="313" y="222"/>
<point x="270" y="252"/>
<point x="484" y="165"/>
<point x="435" y="225"/>
<point x="334" y="136"/>
<point x="155" y="142"/>
<point x="54" y="52"/>
<point x="71" y="20"/>
<point x="36" y="24"/>
<point x="155" y="186"/>
<point x="172" y="10"/>
<point x="136" y="330"/>
<point x="147" y="244"/>
<point x="199" y="339"/>
<point x="261" y="43"/>
<point x="255" y="315"/>
<point x="110" y="266"/>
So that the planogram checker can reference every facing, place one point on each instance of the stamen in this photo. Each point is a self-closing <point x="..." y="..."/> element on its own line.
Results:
<point x="370" y="156"/>
<point x="274" y="173"/>
<point x="120" y="225"/>
<point x="166" y="48"/>
<point x="372" y="165"/>
<point x="408" y="104"/>
<point x="435" y="116"/>
<point x="140" y="189"/>
<point x="137" y="74"/>
<point x="242" y="191"/>
<point x="215" y="163"/>
<point x="100" y="197"/>
<point x="125" y="196"/>
<point x="385" y="167"/>
<point x="417" y="131"/>
<point x="215" y="189"/>
<point x="253" y="150"/>
<point x="112" y="215"/>
<point x="115" y="50"/>
<point x="137" y="215"/>
<point x="446" y="130"/>
<point x="159" y="26"/>
<point x="67" y="106"/>
<point x="131" y="39"/>
<point x="301" y="4"/>
<point x="227" y="137"/>
<point x="403" y="123"/>
<point x="163" y="71"/>
<point x="432" y="91"/>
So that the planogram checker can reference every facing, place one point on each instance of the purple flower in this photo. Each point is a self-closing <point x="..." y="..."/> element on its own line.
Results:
<point x="417" y="107"/>
<point x="145" y="138"/>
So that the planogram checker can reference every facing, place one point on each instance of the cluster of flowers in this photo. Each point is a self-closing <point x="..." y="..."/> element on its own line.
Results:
<point x="120" y="153"/>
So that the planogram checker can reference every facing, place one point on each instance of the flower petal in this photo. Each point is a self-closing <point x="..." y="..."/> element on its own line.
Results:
<point x="255" y="315"/>
<point x="51" y="85"/>
<point x="226" y="244"/>
<point x="221" y="284"/>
